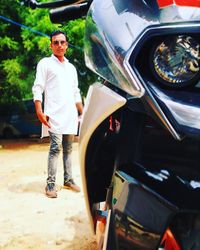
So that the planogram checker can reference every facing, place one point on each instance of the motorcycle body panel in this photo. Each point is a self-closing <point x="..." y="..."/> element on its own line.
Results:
<point x="95" y="112"/>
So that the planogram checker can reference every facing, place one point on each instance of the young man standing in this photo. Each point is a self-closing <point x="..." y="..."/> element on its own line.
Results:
<point x="57" y="78"/>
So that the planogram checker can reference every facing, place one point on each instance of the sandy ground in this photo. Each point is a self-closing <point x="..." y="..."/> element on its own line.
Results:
<point x="30" y="220"/>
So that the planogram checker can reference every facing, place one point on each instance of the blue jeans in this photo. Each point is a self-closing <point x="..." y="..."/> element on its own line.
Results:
<point x="58" y="142"/>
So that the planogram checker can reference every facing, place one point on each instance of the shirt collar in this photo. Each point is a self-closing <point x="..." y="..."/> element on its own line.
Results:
<point x="55" y="58"/>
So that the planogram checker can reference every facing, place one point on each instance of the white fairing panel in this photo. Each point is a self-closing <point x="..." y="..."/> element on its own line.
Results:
<point x="100" y="103"/>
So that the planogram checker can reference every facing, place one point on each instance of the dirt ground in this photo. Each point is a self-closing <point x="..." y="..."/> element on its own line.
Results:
<point x="30" y="220"/>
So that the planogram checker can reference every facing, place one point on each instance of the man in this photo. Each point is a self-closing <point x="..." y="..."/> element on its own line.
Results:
<point x="57" y="78"/>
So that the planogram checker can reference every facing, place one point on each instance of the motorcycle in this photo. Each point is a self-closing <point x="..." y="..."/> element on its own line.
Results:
<point x="140" y="134"/>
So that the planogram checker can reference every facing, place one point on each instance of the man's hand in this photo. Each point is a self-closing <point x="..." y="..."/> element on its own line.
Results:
<point x="43" y="118"/>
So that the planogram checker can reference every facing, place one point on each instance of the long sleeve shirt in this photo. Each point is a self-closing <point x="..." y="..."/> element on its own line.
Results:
<point x="59" y="83"/>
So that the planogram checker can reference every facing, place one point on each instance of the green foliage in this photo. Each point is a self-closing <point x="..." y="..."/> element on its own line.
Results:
<point x="12" y="70"/>
<point x="7" y="42"/>
<point x="22" y="47"/>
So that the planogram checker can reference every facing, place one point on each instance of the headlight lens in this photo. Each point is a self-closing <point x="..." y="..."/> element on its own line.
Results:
<point x="175" y="61"/>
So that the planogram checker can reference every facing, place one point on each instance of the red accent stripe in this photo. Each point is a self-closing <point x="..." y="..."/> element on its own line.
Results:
<point x="170" y="241"/>
<point x="189" y="3"/>
<point x="164" y="3"/>
<point x="192" y="3"/>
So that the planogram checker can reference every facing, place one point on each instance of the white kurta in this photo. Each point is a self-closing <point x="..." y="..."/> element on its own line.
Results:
<point x="59" y="82"/>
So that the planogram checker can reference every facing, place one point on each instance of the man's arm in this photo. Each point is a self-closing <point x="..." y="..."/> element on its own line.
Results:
<point x="37" y="90"/>
<point x="79" y="107"/>
<point x="41" y="116"/>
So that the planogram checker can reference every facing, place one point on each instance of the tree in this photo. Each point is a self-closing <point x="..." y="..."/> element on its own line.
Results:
<point x="24" y="41"/>
<point x="9" y="53"/>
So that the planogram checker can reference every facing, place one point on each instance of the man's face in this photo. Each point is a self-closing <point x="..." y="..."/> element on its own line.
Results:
<point x="59" y="45"/>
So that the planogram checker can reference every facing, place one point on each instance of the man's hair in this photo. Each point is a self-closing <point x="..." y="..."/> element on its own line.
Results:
<point x="57" y="32"/>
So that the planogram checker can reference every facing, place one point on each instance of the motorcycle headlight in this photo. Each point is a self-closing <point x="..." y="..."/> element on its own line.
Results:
<point x="175" y="61"/>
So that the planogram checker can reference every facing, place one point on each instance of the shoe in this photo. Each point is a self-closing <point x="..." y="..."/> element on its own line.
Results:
<point x="51" y="190"/>
<point x="70" y="184"/>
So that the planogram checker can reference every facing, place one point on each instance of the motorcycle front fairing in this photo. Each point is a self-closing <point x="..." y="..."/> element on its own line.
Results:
<point x="139" y="139"/>
<point x="119" y="38"/>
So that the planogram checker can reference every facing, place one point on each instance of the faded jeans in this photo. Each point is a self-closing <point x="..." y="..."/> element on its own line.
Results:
<point x="58" y="142"/>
